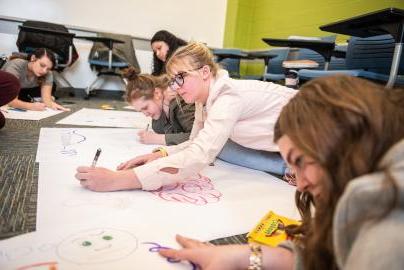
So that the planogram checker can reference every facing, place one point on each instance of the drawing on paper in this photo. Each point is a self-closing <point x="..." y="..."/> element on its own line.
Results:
<point x="97" y="246"/>
<point x="50" y="266"/>
<point x="199" y="191"/>
<point x="157" y="247"/>
<point x="70" y="138"/>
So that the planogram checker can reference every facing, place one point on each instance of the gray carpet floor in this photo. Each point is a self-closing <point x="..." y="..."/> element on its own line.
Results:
<point x="19" y="172"/>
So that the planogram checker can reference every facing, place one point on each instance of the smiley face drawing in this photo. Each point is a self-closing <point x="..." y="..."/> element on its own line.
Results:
<point x="97" y="246"/>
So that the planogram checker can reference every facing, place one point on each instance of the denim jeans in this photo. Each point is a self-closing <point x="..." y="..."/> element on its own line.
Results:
<point x="266" y="161"/>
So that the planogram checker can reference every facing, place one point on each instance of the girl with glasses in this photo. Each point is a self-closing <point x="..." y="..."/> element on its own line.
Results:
<point x="234" y="120"/>
<point x="163" y="44"/>
<point x="172" y="117"/>
<point x="344" y="138"/>
<point x="36" y="80"/>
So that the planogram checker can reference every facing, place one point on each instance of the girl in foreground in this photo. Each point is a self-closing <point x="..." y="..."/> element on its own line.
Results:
<point x="344" y="139"/>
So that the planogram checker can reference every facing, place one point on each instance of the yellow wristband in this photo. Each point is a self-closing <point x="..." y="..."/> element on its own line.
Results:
<point x="162" y="151"/>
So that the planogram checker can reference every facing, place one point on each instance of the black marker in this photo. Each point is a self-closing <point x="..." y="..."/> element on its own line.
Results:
<point x="31" y="99"/>
<point x="97" y="155"/>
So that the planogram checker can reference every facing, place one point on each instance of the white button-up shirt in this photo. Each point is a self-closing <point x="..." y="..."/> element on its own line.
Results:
<point x="243" y="110"/>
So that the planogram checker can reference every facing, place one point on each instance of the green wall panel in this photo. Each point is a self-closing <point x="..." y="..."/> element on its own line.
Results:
<point x="248" y="21"/>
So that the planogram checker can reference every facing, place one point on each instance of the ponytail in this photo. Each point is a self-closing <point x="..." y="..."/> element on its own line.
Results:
<point x="143" y="85"/>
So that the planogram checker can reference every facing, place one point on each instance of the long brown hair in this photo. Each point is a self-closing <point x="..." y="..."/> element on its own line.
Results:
<point x="38" y="53"/>
<point x="143" y="85"/>
<point x="346" y="125"/>
<point x="172" y="42"/>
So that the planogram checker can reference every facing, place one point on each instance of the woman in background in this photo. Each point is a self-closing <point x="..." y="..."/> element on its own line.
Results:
<point x="163" y="44"/>
<point x="36" y="80"/>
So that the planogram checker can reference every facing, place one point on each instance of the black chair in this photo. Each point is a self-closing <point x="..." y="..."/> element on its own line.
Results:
<point x="110" y="55"/>
<point x="56" y="37"/>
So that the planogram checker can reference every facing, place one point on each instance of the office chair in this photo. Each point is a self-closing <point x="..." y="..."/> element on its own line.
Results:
<point x="369" y="58"/>
<point x="110" y="55"/>
<point x="56" y="37"/>
<point x="274" y="70"/>
<point x="229" y="59"/>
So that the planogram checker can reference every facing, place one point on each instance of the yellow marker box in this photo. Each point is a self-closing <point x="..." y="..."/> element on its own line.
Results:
<point x="107" y="107"/>
<point x="270" y="230"/>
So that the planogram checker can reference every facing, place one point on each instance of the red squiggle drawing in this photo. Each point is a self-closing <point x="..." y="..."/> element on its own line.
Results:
<point x="198" y="191"/>
<point x="52" y="266"/>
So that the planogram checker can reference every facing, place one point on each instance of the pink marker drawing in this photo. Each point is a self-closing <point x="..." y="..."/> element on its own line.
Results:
<point x="199" y="191"/>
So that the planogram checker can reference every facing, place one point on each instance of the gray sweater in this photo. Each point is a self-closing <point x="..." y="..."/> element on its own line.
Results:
<point x="361" y="242"/>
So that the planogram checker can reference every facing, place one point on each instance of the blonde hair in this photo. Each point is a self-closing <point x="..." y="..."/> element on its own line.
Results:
<point x="194" y="54"/>
<point x="143" y="85"/>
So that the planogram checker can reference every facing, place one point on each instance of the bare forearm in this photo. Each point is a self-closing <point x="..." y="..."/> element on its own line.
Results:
<point x="16" y="103"/>
<point x="46" y="93"/>
<point x="277" y="258"/>
<point x="128" y="179"/>
<point x="272" y="258"/>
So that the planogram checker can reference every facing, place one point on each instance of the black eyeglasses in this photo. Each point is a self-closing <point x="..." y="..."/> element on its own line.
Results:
<point x="178" y="80"/>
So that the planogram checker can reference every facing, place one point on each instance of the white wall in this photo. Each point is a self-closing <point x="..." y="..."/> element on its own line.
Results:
<point x="79" y="74"/>
<point x="201" y="20"/>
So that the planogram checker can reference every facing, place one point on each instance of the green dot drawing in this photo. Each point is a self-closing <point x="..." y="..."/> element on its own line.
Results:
<point x="107" y="237"/>
<point x="86" y="243"/>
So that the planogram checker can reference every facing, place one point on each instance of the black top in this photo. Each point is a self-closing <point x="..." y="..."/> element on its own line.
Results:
<point x="178" y="125"/>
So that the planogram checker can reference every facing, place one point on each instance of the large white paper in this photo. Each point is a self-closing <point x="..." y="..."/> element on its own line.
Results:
<point x="228" y="200"/>
<point x="92" y="246"/>
<point x="106" y="118"/>
<point x="80" y="144"/>
<point x="82" y="229"/>
<point x="27" y="114"/>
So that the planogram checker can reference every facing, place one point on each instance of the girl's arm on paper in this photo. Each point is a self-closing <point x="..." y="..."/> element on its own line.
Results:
<point x="46" y="93"/>
<point x="226" y="257"/>
<point x="102" y="179"/>
<point x="35" y="106"/>
<point x="151" y="137"/>
<point x="200" y="151"/>
<point x="139" y="160"/>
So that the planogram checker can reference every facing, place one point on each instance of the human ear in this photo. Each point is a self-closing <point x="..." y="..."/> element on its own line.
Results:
<point x="157" y="94"/>
<point x="205" y="72"/>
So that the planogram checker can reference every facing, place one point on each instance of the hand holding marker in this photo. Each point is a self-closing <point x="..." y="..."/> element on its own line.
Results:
<point x="97" y="155"/>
